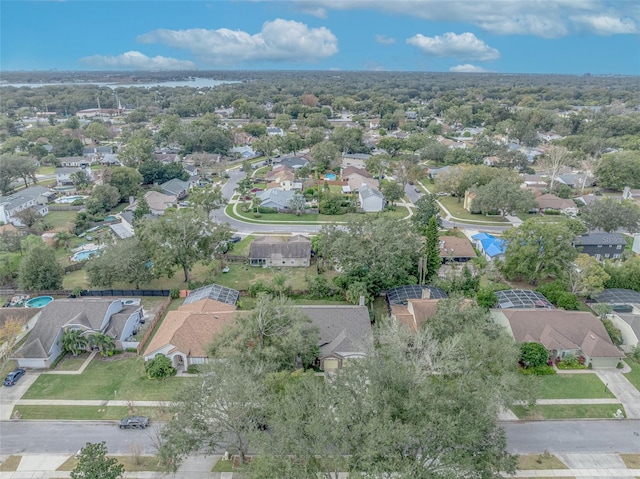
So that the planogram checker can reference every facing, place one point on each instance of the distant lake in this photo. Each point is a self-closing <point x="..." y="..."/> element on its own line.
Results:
<point x="194" y="83"/>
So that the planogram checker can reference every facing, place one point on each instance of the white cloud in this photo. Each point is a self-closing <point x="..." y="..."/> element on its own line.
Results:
<point x="133" y="60"/>
<point x="544" y="18"/>
<point x="385" y="40"/>
<point x="464" y="46"/>
<point x="279" y="40"/>
<point x="605" y="24"/>
<point x="467" y="68"/>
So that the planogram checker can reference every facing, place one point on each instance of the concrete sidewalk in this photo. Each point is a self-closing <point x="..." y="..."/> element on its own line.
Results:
<point x="624" y="391"/>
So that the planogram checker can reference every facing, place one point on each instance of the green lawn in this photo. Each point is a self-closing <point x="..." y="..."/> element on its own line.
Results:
<point x="69" y="363"/>
<point x="130" y="463"/>
<point x="241" y="276"/>
<point x="567" y="411"/>
<point x="634" y="375"/>
<point x="529" y="462"/>
<point x="277" y="218"/>
<point x="241" y="248"/>
<point x="61" y="219"/>
<point x="88" y="413"/>
<point x="122" y="379"/>
<point x="458" y="211"/>
<point x="46" y="170"/>
<point x="223" y="466"/>
<point x="572" y="386"/>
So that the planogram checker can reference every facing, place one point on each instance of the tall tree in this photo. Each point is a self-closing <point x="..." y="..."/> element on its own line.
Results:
<point x="503" y="195"/>
<point x="617" y="170"/>
<point x="325" y="155"/>
<point x="136" y="151"/>
<point x="127" y="261"/>
<point x="432" y="250"/>
<point x="426" y="208"/>
<point x="537" y="250"/>
<point x="93" y="463"/>
<point x="127" y="180"/>
<point x="586" y="276"/>
<point x="182" y="238"/>
<point x="380" y="252"/>
<point x="610" y="214"/>
<point x="207" y="199"/>
<point x="392" y="191"/>
<point x="39" y="269"/>
<point x="551" y="163"/>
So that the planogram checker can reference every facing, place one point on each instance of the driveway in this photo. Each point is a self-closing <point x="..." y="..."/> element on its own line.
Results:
<point x="10" y="395"/>
<point x="624" y="391"/>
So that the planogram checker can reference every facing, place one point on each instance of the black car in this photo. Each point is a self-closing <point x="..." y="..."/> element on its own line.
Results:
<point x="13" y="377"/>
<point x="235" y="239"/>
<point x="134" y="422"/>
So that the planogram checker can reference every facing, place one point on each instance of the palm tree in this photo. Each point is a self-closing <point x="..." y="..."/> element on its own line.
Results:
<point x="74" y="341"/>
<point x="63" y="237"/>
<point x="103" y="342"/>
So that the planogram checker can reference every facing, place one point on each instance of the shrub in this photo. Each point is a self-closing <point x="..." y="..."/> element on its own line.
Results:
<point x="257" y="215"/>
<point x="192" y="369"/>
<point x="533" y="355"/>
<point x="131" y="350"/>
<point x="556" y="292"/>
<point x="265" y="210"/>
<point x="614" y="333"/>
<point x="320" y="288"/>
<point x="568" y="301"/>
<point x="174" y="293"/>
<point x="620" y="365"/>
<point x="258" y="287"/>
<point x="570" y="361"/>
<point x="160" y="367"/>
<point x="486" y="298"/>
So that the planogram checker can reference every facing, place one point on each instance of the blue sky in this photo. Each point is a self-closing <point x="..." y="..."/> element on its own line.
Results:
<point x="505" y="36"/>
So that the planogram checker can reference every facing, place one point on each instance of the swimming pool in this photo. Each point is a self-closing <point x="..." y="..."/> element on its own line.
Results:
<point x="86" y="254"/>
<point x="39" y="302"/>
<point x="69" y="199"/>
<point x="330" y="177"/>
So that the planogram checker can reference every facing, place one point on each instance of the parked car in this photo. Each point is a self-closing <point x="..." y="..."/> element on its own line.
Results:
<point x="418" y="190"/>
<point x="134" y="422"/>
<point x="13" y="377"/>
<point x="235" y="239"/>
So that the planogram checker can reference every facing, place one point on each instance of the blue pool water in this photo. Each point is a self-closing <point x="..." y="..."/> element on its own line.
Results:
<point x="111" y="218"/>
<point x="39" y="302"/>
<point x="82" y="255"/>
<point x="330" y="176"/>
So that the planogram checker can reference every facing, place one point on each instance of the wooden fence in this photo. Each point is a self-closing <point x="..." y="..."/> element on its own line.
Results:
<point x="152" y="326"/>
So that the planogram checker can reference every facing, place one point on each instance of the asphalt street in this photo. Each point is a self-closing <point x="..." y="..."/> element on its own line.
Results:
<point x="58" y="437"/>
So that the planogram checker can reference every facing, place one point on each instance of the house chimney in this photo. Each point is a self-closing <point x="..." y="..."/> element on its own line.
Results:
<point x="361" y="302"/>
<point x="426" y="293"/>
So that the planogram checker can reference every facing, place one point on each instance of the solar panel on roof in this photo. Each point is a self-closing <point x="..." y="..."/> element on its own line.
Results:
<point x="215" y="292"/>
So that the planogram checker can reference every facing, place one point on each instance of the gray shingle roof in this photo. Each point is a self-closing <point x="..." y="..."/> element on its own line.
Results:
<point x="175" y="186"/>
<point x="88" y="312"/>
<point x="21" y="197"/>
<point x="343" y="330"/>
<point x="275" y="248"/>
<point x="594" y="239"/>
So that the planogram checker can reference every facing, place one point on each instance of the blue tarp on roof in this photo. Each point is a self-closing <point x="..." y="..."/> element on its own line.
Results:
<point x="491" y="245"/>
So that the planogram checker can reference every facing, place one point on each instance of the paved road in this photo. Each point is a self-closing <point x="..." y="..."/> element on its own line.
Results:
<point x="586" y="437"/>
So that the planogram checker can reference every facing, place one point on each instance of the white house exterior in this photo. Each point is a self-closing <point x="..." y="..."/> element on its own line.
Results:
<point x="370" y="200"/>
<point x="11" y="205"/>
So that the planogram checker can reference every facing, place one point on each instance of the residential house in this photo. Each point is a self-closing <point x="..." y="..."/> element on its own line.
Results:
<point x="534" y="181"/>
<point x="563" y="333"/>
<point x="371" y="200"/>
<point x="274" y="131"/>
<point x="551" y="202"/>
<point x="184" y="334"/>
<point x="601" y="245"/>
<point x="33" y="197"/>
<point x="415" y="312"/>
<point x="575" y="180"/>
<point x="110" y="159"/>
<point x="74" y="162"/>
<point x="294" y="163"/>
<point x="118" y="318"/>
<point x="454" y="249"/>
<point x="244" y="152"/>
<point x="64" y="175"/>
<point x="160" y="202"/>
<point x="275" y="198"/>
<point x="355" y="179"/>
<point x="281" y="177"/>
<point x="166" y="158"/>
<point x="433" y="172"/>
<point x="273" y="251"/>
<point x="490" y="246"/>
<point x="345" y="334"/>
<point x="175" y="187"/>
<point x="357" y="160"/>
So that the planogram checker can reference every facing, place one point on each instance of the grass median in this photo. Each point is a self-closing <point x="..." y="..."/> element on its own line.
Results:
<point x="90" y="413"/>
<point x="567" y="411"/>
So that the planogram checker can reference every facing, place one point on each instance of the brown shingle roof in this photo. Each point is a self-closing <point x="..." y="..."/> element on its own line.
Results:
<point x="453" y="247"/>
<point x="349" y="170"/>
<point x="558" y="329"/>
<point x="551" y="201"/>
<point x="192" y="327"/>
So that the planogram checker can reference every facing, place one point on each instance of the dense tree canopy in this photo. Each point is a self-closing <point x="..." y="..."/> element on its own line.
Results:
<point x="610" y="214"/>
<point x="39" y="269"/>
